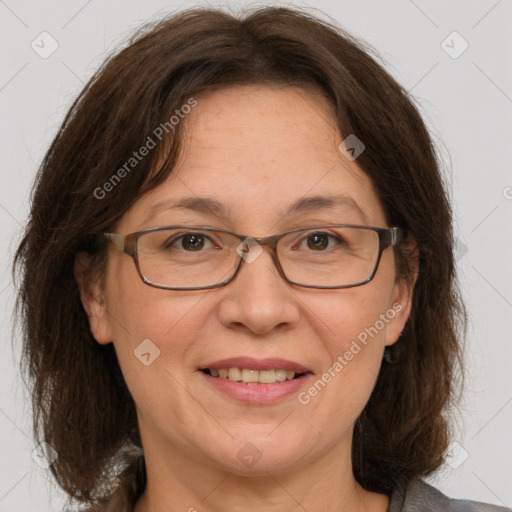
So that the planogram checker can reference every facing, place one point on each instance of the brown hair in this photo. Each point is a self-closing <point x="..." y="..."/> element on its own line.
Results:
<point x="81" y="404"/>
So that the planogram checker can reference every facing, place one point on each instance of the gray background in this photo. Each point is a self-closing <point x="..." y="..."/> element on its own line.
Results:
<point x="467" y="103"/>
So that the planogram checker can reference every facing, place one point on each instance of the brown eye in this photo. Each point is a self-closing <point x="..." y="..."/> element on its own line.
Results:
<point x="318" y="241"/>
<point x="190" y="242"/>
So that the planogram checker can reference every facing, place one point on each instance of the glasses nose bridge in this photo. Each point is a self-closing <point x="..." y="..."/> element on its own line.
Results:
<point x="268" y="241"/>
<point x="271" y="243"/>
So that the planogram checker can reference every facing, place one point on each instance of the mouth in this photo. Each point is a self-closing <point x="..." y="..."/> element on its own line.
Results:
<point x="254" y="376"/>
<point x="250" y="370"/>
<point x="256" y="382"/>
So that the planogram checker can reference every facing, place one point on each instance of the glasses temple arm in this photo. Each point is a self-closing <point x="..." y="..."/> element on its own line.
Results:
<point x="397" y="235"/>
<point x="118" y="240"/>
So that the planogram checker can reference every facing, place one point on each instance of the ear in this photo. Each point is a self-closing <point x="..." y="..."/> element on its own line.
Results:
<point x="402" y="294"/>
<point x="93" y="299"/>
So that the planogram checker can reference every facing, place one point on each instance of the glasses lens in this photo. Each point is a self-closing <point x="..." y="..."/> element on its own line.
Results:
<point x="330" y="256"/>
<point x="190" y="258"/>
<point x="187" y="258"/>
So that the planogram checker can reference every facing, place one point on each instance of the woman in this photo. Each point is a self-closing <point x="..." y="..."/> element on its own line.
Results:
<point x="238" y="284"/>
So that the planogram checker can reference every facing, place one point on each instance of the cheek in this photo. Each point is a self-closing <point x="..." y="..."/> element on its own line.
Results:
<point x="138" y="313"/>
<point x="351" y="337"/>
<point x="351" y="327"/>
<point x="153" y="347"/>
<point x="356" y="314"/>
<point x="170" y="323"/>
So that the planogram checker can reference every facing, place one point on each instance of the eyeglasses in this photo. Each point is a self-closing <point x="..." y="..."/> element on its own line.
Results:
<point x="201" y="257"/>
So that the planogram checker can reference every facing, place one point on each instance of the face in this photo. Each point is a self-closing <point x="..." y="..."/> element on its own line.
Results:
<point x="256" y="150"/>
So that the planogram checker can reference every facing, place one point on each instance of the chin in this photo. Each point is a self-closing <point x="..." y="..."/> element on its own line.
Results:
<point x="260" y="453"/>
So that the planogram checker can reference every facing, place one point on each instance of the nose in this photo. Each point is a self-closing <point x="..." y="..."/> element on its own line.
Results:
<point x="259" y="298"/>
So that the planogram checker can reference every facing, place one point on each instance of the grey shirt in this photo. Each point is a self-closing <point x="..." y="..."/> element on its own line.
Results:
<point x="422" y="497"/>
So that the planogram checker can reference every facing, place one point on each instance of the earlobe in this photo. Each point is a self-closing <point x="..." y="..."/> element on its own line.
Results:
<point x="92" y="299"/>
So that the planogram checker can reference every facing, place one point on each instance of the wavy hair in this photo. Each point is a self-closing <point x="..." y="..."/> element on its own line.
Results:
<point x="81" y="404"/>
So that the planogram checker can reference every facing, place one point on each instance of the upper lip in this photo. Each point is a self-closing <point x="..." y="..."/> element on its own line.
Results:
<point x="270" y="363"/>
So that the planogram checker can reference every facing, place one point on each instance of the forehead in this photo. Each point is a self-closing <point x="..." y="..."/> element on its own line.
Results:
<point x="258" y="152"/>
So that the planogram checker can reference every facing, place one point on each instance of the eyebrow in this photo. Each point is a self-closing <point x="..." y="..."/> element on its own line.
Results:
<point x="212" y="207"/>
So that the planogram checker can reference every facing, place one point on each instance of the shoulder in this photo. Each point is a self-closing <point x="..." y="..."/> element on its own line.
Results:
<point x="420" y="496"/>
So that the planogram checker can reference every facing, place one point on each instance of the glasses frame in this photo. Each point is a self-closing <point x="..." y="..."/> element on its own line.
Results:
<point x="388" y="237"/>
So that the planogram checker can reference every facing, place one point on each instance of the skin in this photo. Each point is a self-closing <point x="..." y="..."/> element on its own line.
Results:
<point x="283" y="147"/>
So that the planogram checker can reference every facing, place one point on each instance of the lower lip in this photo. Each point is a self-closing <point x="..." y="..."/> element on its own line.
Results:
<point x="257" y="394"/>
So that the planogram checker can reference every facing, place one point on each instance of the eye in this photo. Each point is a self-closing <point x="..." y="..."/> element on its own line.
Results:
<point x="319" y="240"/>
<point x="189" y="242"/>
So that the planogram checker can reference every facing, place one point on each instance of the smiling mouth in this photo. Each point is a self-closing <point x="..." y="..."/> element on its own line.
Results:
<point x="249" y="376"/>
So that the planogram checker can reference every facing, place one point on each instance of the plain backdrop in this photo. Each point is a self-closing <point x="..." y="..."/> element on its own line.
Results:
<point x="465" y="95"/>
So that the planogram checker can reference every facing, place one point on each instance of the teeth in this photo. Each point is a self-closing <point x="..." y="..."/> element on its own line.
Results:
<point x="249" y="376"/>
<point x="267" y="376"/>
<point x="235" y="374"/>
<point x="281" y="375"/>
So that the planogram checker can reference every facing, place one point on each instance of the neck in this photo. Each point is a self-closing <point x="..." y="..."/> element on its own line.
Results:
<point x="182" y="482"/>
